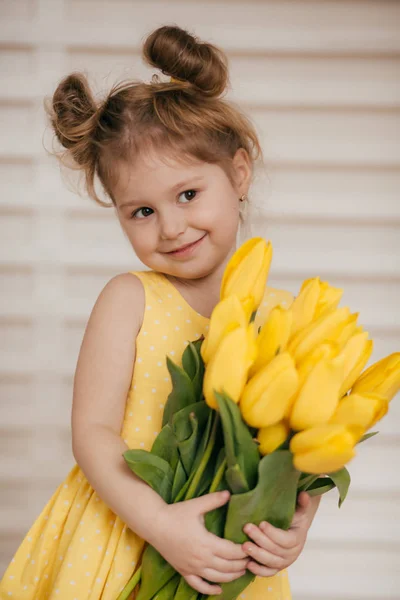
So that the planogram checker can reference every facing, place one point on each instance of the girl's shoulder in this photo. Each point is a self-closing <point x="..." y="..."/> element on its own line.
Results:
<point x="122" y="295"/>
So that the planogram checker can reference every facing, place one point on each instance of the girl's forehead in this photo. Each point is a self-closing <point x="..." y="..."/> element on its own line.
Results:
<point x="158" y="172"/>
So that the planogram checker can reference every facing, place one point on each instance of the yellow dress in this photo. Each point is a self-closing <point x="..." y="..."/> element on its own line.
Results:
<point x="78" y="549"/>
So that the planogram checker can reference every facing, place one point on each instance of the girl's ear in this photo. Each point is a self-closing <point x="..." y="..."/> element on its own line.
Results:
<point x="242" y="168"/>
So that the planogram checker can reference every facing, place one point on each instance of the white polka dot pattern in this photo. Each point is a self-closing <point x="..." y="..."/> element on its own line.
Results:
<point x="77" y="549"/>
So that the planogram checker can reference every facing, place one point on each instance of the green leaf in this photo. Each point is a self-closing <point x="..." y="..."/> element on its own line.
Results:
<point x="152" y="469"/>
<point x="180" y="480"/>
<point x="320" y="486"/>
<point x="241" y="450"/>
<point x="169" y="590"/>
<point x="306" y="480"/>
<point x="366" y="436"/>
<point x="190" y="360"/>
<point x="165" y="446"/>
<point x="184" y="591"/>
<point x="194" y="366"/>
<point x="273" y="500"/>
<point x="182" y="393"/>
<point x="153" y="562"/>
<point x="236" y="480"/>
<point x="215" y="519"/>
<point x="342" y="481"/>
<point x="188" y="425"/>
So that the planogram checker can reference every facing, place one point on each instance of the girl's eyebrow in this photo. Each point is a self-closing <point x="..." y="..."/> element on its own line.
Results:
<point x="174" y="188"/>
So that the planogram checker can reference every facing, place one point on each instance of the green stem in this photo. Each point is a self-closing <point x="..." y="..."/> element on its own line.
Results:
<point x="130" y="586"/>
<point x="218" y="477"/>
<point x="203" y="463"/>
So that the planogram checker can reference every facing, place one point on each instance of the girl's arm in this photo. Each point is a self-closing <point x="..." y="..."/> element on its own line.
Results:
<point x="102" y="380"/>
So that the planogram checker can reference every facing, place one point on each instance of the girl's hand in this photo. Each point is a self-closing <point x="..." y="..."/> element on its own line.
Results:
<point x="199" y="556"/>
<point x="275" y="549"/>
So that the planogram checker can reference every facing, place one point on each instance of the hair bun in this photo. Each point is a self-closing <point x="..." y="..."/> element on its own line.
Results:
<point x="73" y="115"/>
<point x="181" y="55"/>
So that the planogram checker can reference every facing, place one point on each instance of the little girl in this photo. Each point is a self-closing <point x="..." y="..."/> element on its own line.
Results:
<point x="176" y="161"/>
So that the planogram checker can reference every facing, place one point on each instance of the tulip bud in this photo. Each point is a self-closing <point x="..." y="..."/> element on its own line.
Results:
<point x="360" y="410"/>
<point x="227" y="315"/>
<point x="317" y="332"/>
<point x="329" y="298"/>
<point x="345" y="330"/>
<point x="318" y="396"/>
<point x="381" y="378"/>
<point x="303" y="307"/>
<point x="270" y="438"/>
<point x="246" y="273"/>
<point x="356" y="352"/>
<point x="272" y="338"/>
<point x="268" y="393"/>
<point x="323" y="449"/>
<point x="228" y="368"/>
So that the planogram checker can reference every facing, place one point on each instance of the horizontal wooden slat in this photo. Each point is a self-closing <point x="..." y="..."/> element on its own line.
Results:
<point x="271" y="80"/>
<point x="320" y="27"/>
<point x="328" y="193"/>
<point x="329" y="137"/>
<point x="343" y="572"/>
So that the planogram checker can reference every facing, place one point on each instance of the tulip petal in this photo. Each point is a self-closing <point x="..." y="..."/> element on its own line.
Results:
<point x="227" y="315"/>
<point x="267" y="395"/>
<point x="319" y="395"/>
<point x="272" y="437"/>
<point x="323" y="449"/>
<point x="382" y="378"/>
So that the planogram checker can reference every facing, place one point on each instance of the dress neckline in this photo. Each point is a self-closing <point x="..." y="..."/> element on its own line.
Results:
<point x="182" y="299"/>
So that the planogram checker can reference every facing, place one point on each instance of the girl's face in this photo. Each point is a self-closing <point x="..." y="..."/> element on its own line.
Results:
<point x="166" y="206"/>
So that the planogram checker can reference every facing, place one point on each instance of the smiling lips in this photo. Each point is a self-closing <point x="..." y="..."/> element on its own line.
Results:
<point x="185" y="247"/>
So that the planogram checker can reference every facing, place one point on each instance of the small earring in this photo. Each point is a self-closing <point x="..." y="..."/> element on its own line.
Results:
<point x="243" y="198"/>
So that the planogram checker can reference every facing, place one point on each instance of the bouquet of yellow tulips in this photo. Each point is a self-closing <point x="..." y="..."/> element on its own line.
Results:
<point x="265" y="412"/>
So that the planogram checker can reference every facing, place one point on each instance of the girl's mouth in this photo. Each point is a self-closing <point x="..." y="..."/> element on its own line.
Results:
<point x="187" y="249"/>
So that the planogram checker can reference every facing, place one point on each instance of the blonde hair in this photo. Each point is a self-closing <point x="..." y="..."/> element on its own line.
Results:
<point x="186" y="118"/>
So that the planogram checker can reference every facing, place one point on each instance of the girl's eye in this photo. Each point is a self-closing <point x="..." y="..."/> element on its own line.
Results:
<point x="142" y="213"/>
<point x="191" y="193"/>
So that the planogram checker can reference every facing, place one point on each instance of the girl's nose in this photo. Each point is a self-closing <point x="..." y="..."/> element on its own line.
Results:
<point x="171" y="226"/>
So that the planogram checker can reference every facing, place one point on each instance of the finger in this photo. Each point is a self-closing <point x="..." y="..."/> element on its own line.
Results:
<point x="262" y="540"/>
<point x="265" y="558"/>
<point x="302" y="508"/>
<point x="286" y="539"/>
<point x="208" y="502"/>
<point x="229" y="566"/>
<point x="198" y="584"/>
<point x="227" y="549"/>
<point x="261" y="571"/>
<point x="219" y="577"/>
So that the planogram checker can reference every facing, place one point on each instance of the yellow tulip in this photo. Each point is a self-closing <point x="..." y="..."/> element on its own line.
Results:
<point x="268" y="393"/>
<point x="227" y="315"/>
<point x="382" y="378"/>
<point x="228" y="368"/>
<point x="246" y="273"/>
<point x="318" y="396"/>
<point x="329" y="298"/>
<point x="360" y="410"/>
<point x="356" y="352"/>
<point x="316" y="297"/>
<point x="345" y="330"/>
<point x="323" y="449"/>
<point x="272" y="338"/>
<point x="303" y="306"/>
<point x="317" y="332"/>
<point x="270" y="438"/>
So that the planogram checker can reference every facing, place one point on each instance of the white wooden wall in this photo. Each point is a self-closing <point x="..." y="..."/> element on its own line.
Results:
<point x="321" y="81"/>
